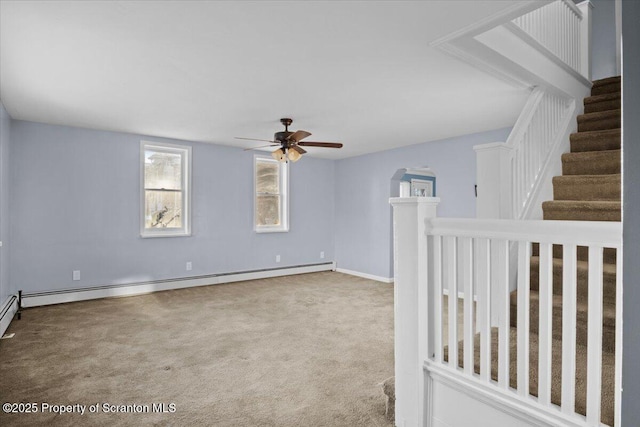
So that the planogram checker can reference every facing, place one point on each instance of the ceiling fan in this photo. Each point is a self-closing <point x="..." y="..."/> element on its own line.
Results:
<point x="290" y="143"/>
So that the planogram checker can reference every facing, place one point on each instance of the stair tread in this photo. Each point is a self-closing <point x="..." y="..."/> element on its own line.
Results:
<point x="582" y="307"/>
<point x="604" y="97"/>
<point x="605" y="162"/>
<point x="609" y="254"/>
<point x="612" y="177"/>
<point x="608" y="85"/>
<point x="582" y="156"/>
<point x="599" y="120"/>
<point x="599" y="115"/>
<point x="607" y="267"/>
<point x="607" y="205"/>
<point x="606" y="81"/>
<point x="580" y="210"/>
<point x="587" y="187"/>
<point x="595" y="140"/>
<point x="595" y="134"/>
<point x="609" y="283"/>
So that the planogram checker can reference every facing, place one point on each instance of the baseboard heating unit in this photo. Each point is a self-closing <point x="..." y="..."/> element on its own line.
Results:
<point x="33" y="299"/>
<point x="8" y="310"/>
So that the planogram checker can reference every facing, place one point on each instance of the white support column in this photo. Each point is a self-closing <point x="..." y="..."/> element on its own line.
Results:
<point x="493" y="177"/>
<point x="585" y="38"/>
<point x="410" y="222"/>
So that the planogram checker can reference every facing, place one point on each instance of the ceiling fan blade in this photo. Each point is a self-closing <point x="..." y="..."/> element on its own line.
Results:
<point x="298" y="135"/>
<point x="255" y="139"/>
<point x="262" y="146"/>
<point x="321" y="144"/>
<point x="298" y="149"/>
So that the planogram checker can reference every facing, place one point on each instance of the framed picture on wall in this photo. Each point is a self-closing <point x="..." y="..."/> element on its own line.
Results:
<point x="420" y="188"/>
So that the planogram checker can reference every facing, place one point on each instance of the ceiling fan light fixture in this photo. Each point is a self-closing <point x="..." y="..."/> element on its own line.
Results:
<point x="279" y="155"/>
<point x="293" y="155"/>
<point x="291" y="143"/>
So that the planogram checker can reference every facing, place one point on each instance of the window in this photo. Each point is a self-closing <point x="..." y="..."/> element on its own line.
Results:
<point x="271" y="211"/>
<point x="166" y="178"/>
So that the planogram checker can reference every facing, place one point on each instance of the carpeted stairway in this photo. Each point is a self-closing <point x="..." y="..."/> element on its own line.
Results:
<point x="588" y="190"/>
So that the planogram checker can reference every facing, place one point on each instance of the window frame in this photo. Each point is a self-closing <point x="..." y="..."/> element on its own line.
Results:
<point x="283" y="227"/>
<point x="185" y="154"/>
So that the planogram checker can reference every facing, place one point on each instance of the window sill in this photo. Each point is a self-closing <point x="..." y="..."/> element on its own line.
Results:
<point x="148" y="235"/>
<point x="272" y="230"/>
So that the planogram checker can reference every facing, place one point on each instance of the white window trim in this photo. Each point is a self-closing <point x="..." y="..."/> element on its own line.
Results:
<point x="185" y="151"/>
<point x="284" y="197"/>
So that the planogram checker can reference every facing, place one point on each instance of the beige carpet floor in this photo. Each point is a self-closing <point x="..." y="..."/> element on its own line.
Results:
<point x="307" y="350"/>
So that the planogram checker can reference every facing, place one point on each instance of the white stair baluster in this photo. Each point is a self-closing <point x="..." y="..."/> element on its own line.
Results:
<point x="569" y="298"/>
<point x="524" y="256"/>
<point x="544" y="331"/>
<point x="502" y="282"/>
<point x="594" y="337"/>
<point x="467" y="280"/>
<point x="483" y="282"/>
<point x="618" y="367"/>
<point x="451" y="279"/>
<point x="437" y="293"/>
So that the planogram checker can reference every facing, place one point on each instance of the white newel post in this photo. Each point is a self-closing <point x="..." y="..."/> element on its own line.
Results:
<point x="410" y="222"/>
<point x="493" y="178"/>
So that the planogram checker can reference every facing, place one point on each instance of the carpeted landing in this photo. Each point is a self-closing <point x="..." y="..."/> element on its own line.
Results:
<point x="306" y="350"/>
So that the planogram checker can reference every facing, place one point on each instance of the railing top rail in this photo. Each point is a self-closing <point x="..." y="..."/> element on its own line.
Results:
<point x="581" y="233"/>
<point x="519" y="129"/>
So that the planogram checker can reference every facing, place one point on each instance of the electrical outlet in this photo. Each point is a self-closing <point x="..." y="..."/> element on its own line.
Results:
<point x="277" y="258"/>
<point x="76" y="274"/>
<point x="322" y="254"/>
<point x="189" y="266"/>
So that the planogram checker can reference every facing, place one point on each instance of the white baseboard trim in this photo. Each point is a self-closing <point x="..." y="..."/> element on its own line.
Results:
<point x="365" y="275"/>
<point x="7" y="311"/>
<point x="71" y="295"/>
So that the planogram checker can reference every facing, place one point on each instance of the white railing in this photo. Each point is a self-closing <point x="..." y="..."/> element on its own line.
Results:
<point x="556" y="26"/>
<point x="509" y="173"/>
<point x="532" y="140"/>
<point x="470" y="258"/>
<point x="552" y="43"/>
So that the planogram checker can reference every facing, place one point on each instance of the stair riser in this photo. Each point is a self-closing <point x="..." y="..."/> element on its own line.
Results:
<point x="598" y="163"/>
<point x="607" y="187"/>
<point x="594" y="107"/>
<point x="607" y="88"/>
<point x="608" y="140"/>
<point x="603" y="124"/>
<point x="609" y="254"/>
<point x="609" y="284"/>
<point x="608" y="329"/>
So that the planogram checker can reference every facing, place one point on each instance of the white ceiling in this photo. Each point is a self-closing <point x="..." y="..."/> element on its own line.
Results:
<point x="361" y="73"/>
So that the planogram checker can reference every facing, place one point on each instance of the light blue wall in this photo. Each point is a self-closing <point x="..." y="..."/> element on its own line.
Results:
<point x="363" y="215"/>
<point x="603" y="39"/>
<point x="75" y="205"/>
<point x="631" y="213"/>
<point x="5" y="142"/>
